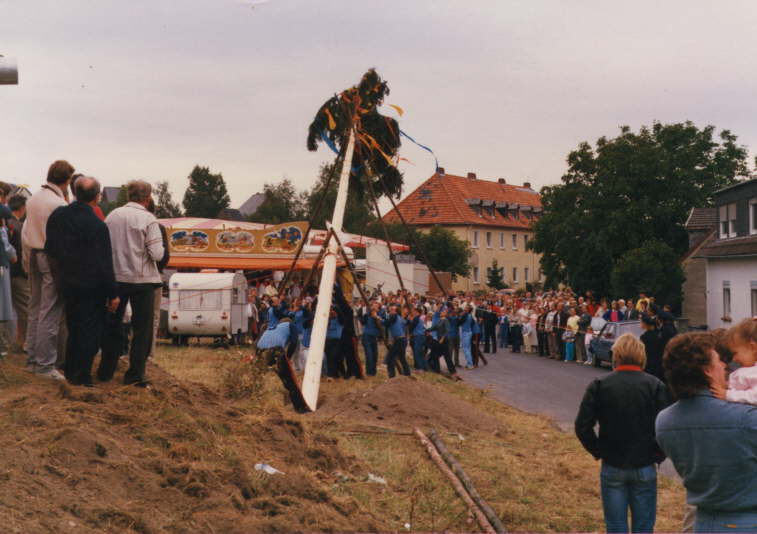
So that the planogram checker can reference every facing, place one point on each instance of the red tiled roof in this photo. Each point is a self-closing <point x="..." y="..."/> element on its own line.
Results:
<point x="444" y="199"/>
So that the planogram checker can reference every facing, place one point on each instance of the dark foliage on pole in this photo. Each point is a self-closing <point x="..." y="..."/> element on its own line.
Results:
<point x="377" y="139"/>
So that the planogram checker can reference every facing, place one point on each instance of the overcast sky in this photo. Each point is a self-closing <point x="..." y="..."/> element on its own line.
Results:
<point x="149" y="88"/>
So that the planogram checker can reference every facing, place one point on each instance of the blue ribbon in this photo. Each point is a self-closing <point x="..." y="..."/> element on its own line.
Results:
<point x="332" y="146"/>
<point x="424" y="147"/>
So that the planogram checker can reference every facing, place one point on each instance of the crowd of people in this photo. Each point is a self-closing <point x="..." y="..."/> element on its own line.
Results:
<point x="73" y="273"/>
<point x="423" y="330"/>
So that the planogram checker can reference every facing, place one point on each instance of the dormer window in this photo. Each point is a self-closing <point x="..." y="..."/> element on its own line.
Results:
<point x="727" y="221"/>
<point x="753" y="216"/>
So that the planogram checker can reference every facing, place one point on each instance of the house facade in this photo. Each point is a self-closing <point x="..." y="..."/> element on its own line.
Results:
<point x="494" y="217"/>
<point x="731" y="256"/>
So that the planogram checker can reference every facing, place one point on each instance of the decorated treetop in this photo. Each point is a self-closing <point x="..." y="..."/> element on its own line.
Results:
<point x="377" y="137"/>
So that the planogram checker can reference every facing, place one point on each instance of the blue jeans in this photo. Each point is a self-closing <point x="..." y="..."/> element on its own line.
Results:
<point x="725" y="522"/>
<point x="465" y="344"/>
<point x="419" y="356"/>
<point x="371" y="354"/>
<point x="624" y="488"/>
<point x="570" y="351"/>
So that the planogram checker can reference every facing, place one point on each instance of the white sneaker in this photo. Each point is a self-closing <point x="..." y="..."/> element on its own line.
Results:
<point x="53" y="374"/>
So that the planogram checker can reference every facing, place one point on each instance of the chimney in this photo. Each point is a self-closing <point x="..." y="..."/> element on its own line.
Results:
<point x="527" y="185"/>
<point x="472" y="175"/>
<point x="440" y="171"/>
<point x="502" y="181"/>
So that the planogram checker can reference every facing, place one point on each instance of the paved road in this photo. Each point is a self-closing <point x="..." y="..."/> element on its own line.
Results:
<point x="536" y="385"/>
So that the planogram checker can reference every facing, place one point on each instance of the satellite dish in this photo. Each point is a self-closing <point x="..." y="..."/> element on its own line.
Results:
<point x="8" y="71"/>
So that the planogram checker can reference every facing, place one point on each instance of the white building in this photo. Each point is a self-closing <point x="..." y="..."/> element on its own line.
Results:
<point x="731" y="257"/>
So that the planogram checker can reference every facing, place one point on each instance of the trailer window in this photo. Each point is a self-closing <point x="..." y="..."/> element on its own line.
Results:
<point x="206" y="299"/>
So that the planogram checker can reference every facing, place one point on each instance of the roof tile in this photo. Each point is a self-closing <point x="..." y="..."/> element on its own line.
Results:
<point x="442" y="199"/>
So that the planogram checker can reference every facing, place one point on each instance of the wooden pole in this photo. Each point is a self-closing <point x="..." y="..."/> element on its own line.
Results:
<point x="374" y="200"/>
<point x="311" y="382"/>
<point x="466" y="481"/>
<point x="434" y="454"/>
<point x="410" y="234"/>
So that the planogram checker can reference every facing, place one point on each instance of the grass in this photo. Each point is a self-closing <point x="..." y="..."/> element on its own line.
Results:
<point x="537" y="478"/>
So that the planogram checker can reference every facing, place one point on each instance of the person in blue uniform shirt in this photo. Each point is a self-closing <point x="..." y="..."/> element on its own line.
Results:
<point x="396" y="322"/>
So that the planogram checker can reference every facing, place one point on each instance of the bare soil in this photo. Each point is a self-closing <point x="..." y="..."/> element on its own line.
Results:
<point x="180" y="457"/>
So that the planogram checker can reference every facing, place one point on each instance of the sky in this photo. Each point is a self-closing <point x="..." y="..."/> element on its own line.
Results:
<point x="506" y="89"/>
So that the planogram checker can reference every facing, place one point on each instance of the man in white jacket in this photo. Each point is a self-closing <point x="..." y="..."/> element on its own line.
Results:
<point x="137" y="245"/>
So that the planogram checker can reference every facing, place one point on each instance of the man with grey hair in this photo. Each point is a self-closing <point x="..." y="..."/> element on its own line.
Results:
<point x="45" y="303"/>
<point x="137" y="246"/>
<point x="79" y="244"/>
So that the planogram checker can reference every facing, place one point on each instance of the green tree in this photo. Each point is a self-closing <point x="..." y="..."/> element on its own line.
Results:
<point x="653" y="269"/>
<point x="629" y="190"/>
<point x="282" y="203"/>
<point x="165" y="207"/>
<point x="446" y="252"/>
<point x="358" y="213"/>
<point x="495" y="276"/>
<point x="206" y="194"/>
<point x="121" y="199"/>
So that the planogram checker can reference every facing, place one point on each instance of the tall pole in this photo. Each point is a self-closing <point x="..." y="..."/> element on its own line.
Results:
<point x="311" y="383"/>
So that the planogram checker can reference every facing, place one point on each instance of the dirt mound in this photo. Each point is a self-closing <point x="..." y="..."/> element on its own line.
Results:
<point x="178" y="457"/>
<point x="403" y="403"/>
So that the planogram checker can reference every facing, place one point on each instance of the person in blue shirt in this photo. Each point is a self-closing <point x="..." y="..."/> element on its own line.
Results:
<point x="418" y="336"/>
<point x="276" y="311"/>
<point x="334" y="359"/>
<point x="478" y="329"/>
<point x="454" y="335"/>
<point x="466" y="322"/>
<point x="396" y="323"/>
<point x="276" y="345"/>
<point x="301" y="316"/>
<point x="371" y="324"/>
<point x="712" y="443"/>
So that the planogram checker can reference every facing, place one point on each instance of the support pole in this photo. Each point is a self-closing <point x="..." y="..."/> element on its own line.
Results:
<point x="466" y="482"/>
<point x="459" y="489"/>
<point x="311" y="382"/>
<point x="374" y="201"/>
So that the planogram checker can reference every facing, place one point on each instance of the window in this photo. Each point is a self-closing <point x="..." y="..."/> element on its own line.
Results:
<point x="475" y="239"/>
<point x="525" y="274"/>
<point x="727" y="218"/>
<point x="502" y="240"/>
<point x="753" y="216"/>
<point x="488" y="240"/>
<point x="515" y="241"/>
<point x="754" y="301"/>
<point x="525" y="242"/>
<point x="475" y="275"/>
<point x="726" y="300"/>
<point x="515" y="274"/>
<point x="200" y="300"/>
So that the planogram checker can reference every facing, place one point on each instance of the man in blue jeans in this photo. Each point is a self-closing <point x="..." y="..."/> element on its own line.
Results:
<point x="712" y="443"/>
<point x="625" y="403"/>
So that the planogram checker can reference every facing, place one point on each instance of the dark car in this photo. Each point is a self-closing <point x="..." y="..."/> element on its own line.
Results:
<point x="601" y="344"/>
